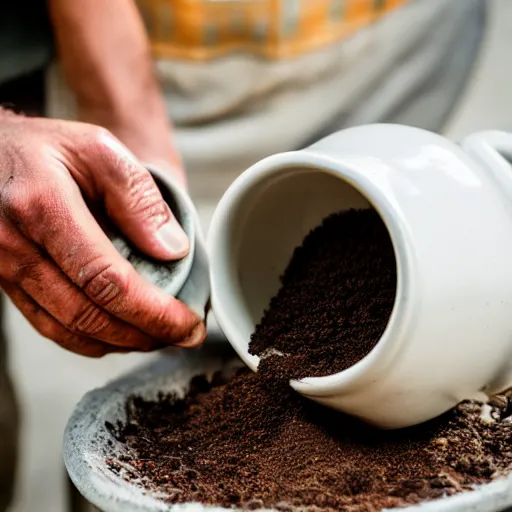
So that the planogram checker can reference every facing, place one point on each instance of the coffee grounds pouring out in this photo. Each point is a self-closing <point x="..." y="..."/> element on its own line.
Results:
<point x="247" y="440"/>
<point x="335" y="301"/>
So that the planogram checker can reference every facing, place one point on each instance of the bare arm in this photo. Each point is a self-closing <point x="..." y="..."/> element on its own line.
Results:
<point x="57" y="264"/>
<point x="107" y="62"/>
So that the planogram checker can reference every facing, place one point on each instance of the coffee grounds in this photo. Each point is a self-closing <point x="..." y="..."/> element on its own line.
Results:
<point x="249" y="441"/>
<point x="335" y="301"/>
<point x="245" y="442"/>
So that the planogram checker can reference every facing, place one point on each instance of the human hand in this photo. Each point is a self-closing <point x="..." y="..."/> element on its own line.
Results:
<point x="58" y="266"/>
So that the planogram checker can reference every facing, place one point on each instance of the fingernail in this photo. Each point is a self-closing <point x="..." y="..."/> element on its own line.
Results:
<point x="173" y="238"/>
<point x="195" y="338"/>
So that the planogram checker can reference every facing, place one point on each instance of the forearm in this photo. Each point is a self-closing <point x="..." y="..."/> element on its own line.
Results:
<point x="106" y="59"/>
<point x="101" y="45"/>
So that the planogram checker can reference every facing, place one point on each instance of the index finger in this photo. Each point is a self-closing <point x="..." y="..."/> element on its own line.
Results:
<point x="60" y="222"/>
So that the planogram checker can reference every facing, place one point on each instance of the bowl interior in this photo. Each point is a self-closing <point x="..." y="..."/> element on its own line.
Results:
<point x="88" y="443"/>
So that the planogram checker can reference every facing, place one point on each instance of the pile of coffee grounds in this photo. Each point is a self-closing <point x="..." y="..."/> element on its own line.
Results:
<point x="247" y="440"/>
<point x="335" y="301"/>
<point x="244" y="442"/>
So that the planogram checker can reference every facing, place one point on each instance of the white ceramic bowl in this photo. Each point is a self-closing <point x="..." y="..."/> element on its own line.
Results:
<point x="87" y="442"/>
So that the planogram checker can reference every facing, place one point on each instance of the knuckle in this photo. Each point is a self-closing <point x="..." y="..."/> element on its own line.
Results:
<point x="7" y="194"/>
<point x="104" y="284"/>
<point x="27" y="205"/>
<point x="89" y="320"/>
<point x="51" y="330"/>
<point x="11" y="161"/>
<point x="111" y="150"/>
<point x="81" y="345"/>
<point x="16" y="203"/>
<point x="151" y="207"/>
<point x="13" y="250"/>
<point x="99" y="136"/>
<point x="178" y="328"/>
<point x="27" y="269"/>
<point x="97" y="142"/>
<point x="144" y="199"/>
<point x="140" y="183"/>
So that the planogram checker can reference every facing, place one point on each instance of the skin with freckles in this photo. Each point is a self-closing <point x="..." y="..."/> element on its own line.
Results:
<point x="58" y="266"/>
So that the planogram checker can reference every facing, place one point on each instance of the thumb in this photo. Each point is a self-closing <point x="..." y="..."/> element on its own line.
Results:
<point x="134" y="202"/>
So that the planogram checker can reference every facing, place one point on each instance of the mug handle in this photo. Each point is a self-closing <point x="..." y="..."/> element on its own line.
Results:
<point x="493" y="150"/>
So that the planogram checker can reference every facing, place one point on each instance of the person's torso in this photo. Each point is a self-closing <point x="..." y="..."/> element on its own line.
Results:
<point x="273" y="29"/>
<point x="246" y="78"/>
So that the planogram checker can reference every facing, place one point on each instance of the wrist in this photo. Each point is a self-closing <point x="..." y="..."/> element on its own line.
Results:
<point x="116" y="114"/>
<point x="118" y="99"/>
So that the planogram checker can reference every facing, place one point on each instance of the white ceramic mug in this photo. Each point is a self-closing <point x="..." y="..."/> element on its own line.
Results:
<point x="448" y="210"/>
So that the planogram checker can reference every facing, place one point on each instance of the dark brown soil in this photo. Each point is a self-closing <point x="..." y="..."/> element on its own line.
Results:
<point x="248" y="440"/>
<point x="249" y="443"/>
<point x="336" y="298"/>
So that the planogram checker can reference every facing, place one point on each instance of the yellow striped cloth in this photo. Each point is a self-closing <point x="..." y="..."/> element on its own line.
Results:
<point x="274" y="29"/>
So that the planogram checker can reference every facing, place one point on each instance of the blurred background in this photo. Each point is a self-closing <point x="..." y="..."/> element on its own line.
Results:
<point x="50" y="380"/>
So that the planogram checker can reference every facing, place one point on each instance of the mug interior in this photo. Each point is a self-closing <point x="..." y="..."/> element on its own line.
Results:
<point x="265" y="224"/>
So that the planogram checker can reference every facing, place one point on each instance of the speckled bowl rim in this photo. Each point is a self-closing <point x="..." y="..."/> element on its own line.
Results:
<point x="86" y="441"/>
